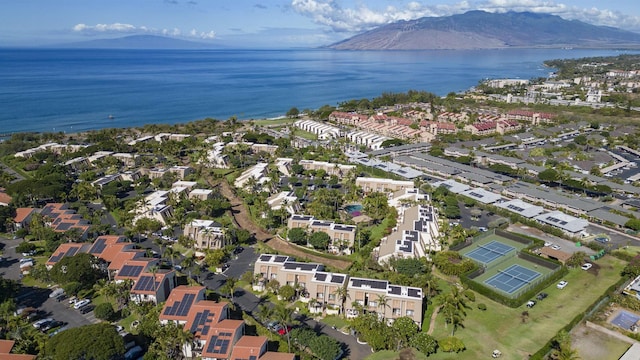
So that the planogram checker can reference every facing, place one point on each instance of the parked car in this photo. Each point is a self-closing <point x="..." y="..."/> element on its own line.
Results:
<point x="51" y="325"/>
<point x="531" y="303"/>
<point x="82" y="303"/>
<point x="38" y="324"/>
<point x="56" y="292"/>
<point x="602" y="240"/>
<point x="61" y="297"/>
<point x="542" y="296"/>
<point x="562" y="284"/>
<point x="556" y="247"/>
<point x="87" y="309"/>
<point x="586" y="266"/>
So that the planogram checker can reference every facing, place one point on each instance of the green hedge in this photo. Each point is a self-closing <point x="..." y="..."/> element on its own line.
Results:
<point x="541" y="354"/>
<point x="505" y="300"/>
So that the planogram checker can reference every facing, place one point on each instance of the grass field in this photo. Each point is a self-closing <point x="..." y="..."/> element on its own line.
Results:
<point x="501" y="327"/>
<point x="281" y="121"/>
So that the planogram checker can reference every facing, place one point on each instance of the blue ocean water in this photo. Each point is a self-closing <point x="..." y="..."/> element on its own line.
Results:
<point x="73" y="90"/>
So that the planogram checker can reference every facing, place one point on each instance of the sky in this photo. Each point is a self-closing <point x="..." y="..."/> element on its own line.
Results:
<point x="263" y="24"/>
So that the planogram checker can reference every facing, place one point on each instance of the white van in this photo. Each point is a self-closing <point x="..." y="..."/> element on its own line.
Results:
<point x="81" y="303"/>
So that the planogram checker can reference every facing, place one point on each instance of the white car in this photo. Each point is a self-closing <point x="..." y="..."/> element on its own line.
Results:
<point x="556" y="247"/>
<point x="562" y="284"/>
<point x="546" y="243"/>
<point x="586" y="266"/>
<point x="39" y="323"/>
<point x="81" y="303"/>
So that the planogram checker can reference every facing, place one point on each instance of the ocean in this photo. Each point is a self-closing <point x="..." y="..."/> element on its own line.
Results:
<point x="74" y="90"/>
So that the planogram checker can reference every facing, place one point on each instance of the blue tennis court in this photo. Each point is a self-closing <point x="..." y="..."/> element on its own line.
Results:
<point x="489" y="252"/>
<point x="512" y="278"/>
<point x="625" y="320"/>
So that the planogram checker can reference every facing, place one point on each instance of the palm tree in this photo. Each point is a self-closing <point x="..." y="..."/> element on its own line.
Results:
<point x="229" y="287"/>
<point x="454" y="308"/>
<point x="342" y="295"/>
<point x="171" y="253"/>
<point x="383" y="302"/>
<point x="284" y="316"/>
<point x="187" y="263"/>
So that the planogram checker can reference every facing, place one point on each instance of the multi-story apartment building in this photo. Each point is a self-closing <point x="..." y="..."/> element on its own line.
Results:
<point x="388" y="301"/>
<point x="207" y="234"/>
<point x="382" y="185"/>
<point x="322" y="290"/>
<point x="342" y="236"/>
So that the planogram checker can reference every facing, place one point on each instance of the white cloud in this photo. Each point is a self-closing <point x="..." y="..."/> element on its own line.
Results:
<point x="118" y="28"/>
<point x="330" y="13"/>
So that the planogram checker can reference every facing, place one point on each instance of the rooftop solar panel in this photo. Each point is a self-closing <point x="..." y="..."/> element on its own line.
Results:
<point x="265" y="257"/>
<point x="280" y="258"/>
<point x="130" y="270"/>
<point x="338" y="279"/>
<point x="321" y="277"/>
<point x="217" y="345"/>
<point x="145" y="283"/>
<point x="56" y="258"/>
<point x="64" y="226"/>
<point x="98" y="247"/>
<point x="72" y="251"/>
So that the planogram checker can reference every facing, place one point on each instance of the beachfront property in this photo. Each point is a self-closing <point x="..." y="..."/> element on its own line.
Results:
<point x="388" y="301"/>
<point x="321" y="287"/>
<point x="257" y="172"/>
<point x="383" y="185"/>
<point x="342" y="236"/>
<point x="322" y="130"/>
<point x="52" y="147"/>
<point x="207" y="234"/>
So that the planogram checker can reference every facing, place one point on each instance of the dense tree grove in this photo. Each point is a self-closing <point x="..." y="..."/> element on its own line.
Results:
<point x="80" y="269"/>
<point x="97" y="342"/>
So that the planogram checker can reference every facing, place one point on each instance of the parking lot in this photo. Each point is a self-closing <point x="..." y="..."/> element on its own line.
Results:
<point x="37" y="298"/>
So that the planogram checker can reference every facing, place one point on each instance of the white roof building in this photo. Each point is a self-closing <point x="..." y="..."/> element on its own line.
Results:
<point x="568" y="223"/>
<point x="521" y="208"/>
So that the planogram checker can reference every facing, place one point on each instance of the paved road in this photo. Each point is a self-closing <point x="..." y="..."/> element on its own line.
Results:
<point x="9" y="170"/>
<point x="250" y="302"/>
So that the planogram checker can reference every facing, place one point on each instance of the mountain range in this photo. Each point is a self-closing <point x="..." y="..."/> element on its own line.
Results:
<point x="484" y="30"/>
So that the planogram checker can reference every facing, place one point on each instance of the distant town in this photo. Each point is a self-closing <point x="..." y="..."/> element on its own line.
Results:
<point x="501" y="222"/>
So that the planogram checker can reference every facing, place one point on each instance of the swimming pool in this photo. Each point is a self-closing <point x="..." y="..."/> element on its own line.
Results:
<point x="353" y="209"/>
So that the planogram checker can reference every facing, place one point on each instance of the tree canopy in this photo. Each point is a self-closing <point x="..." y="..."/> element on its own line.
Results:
<point x="79" y="268"/>
<point x="97" y="342"/>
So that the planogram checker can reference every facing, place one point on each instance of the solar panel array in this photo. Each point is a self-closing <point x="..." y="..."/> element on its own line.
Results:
<point x="72" y="251"/>
<point x="321" y="276"/>
<point x="515" y="208"/>
<point x="130" y="270"/>
<point x="145" y="283"/>
<point x="338" y="279"/>
<point x="202" y="322"/>
<point x="217" y="345"/>
<point x="556" y="220"/>
<point x="181" y="307"/>
<point x="374" y="284"/>
<point x="475" y="194"/>
<point x="98" y="246"/>
<point x="265" y="257"/>
<point x="280" y="259"/>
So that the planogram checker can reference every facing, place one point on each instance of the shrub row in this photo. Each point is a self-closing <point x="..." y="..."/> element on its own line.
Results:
<point x="540" y="354"/>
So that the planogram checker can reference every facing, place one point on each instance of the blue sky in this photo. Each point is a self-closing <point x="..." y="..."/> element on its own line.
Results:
<point x="254" y="23"/>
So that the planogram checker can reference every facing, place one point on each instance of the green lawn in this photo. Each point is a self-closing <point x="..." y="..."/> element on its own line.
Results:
<point x="336" y="321"/>
<point x="395" y="355"/>
<point x="306" y="135"/>
<point x="501" y="327"/>
<point x="265" y="122"/>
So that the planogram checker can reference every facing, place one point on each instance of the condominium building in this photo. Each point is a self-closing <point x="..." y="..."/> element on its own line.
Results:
<point x="207" y="234"/>
<point x="388" y="301"/>
<point x="321" y="290"/>
<point x="342" y="236"/>
<point x="382" y="185"/>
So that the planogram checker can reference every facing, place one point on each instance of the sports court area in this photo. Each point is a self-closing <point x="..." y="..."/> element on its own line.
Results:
<point x="625" y="320"/>
<point x="512" y="278"/>
<point x="489" y="252"/>
<point x="504" y="271"/>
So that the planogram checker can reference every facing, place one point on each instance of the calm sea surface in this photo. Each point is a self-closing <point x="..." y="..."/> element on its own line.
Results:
<point x="74" y="90"/>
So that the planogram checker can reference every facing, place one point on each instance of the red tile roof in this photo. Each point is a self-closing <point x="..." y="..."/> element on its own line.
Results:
<point x="4" y="197"/>
<point x="177" y="295"/>
<point x="249" y="346"/>
<point x="22" y="214"/>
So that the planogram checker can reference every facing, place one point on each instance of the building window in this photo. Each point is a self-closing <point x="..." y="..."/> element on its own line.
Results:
<point x="397" y="311"/>
<point x="274" y="276"/>
<point x="332" y="296"/>
<point x="319" y="296"/>
<point x="373" y="304"/>
<point x="409" y="312"/>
